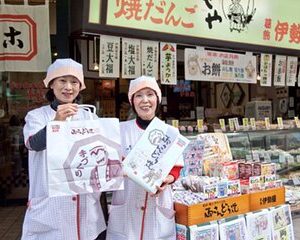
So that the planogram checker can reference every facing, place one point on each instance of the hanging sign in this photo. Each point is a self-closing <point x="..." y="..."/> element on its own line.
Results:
<point x="266" y="70"/>
<point x="109" y="56"/>
<point x="203" y="65"/>
<point x="291" y="70"/>
<point x="25" y="38"/>
<point x="280" y="70"/>
<point x="168" y="63"/>
<point x="150" y="51"/>
<point x="131" y="58"/>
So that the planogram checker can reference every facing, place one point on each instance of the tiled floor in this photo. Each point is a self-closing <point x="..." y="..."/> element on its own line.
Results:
<point x="11" y="219"/>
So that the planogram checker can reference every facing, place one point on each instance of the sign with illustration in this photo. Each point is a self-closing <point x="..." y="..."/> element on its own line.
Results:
<point x="267" y="23"/>
<point x="154" y="155"/>
<point x="204" y="65"/>
<point x="266" y="70"/>
<point x="168" y="63"/>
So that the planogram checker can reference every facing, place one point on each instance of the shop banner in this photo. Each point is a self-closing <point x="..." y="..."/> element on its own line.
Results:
<point x="267" y="23"/>
<point x="279" y="70"/>
<point x="203" y="65"/>
<point x="266" y="70"/>
<point x="150" y="52"/>
<point x="291" y="71"/>
<point x="168" y="63"/>
<point x="25" y="38"/>
<point x="109" y="56"/>
<point x="131" y="58"/>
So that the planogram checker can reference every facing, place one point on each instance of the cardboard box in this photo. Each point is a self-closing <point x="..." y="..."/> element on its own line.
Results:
<point x="258" y="110"/>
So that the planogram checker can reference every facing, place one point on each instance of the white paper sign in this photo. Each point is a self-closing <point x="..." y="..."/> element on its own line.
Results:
<point x="266" y="70"/>
<point x="280" y="70"/>
<point x="85" y="156"/>
<point x="204" y="65"/>
<point x="154" y="155"/>
<point x="150" y="53"/>
<point x="109" y="56"/>
<point x="25" y="38"/>
<point x="291" y="70"/>
<point x="131" y="58"/>
<point x="168" y="63"/>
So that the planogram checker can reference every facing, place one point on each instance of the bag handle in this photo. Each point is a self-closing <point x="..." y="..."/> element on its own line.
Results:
<point x="88" y="107"/>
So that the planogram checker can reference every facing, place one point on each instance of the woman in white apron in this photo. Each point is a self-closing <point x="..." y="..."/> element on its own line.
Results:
<point x="136" y="214"/>
<point x="77" y="217"/>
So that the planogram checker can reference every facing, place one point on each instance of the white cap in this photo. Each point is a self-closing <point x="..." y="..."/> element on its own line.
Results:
<point x="65" y="67"/>
<point x="143" y="82"/>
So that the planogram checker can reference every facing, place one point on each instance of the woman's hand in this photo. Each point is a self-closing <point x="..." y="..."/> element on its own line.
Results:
<point x="168" y="180"/>
<point x="65" y="110"/>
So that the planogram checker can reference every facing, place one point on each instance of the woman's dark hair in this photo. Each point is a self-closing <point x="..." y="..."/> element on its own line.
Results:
<point x="51" y="97"/>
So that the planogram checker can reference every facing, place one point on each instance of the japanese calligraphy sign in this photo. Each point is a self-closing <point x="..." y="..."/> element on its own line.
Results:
<point x="266" y="70"/>
<point x="109" y="56"/>
<point x="203" y="65"/>
<point x="154" y="155"/>
<point x="150" y="52"/>
<point x="279" y="70"/>
<point x="131" y="58"/>
<point x="291" y="70"/>
<point x="168" y="63"/>
<point x="267" y="23"/>
<point x="87" y="158"/>
<point x="25" y="38"/>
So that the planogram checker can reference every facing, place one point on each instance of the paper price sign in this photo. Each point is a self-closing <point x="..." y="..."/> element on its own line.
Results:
<point x="280" y="123"/>
<point x="175" y="123"/>
<point x="267" y="123"/>
<point x="231" y="124"/>
<point x="222" y="124"/>
<point x="200" y="125"/>
<point x="252" y="123"/>
<point x="245" y="123"/>
<point x="297" y="122"/>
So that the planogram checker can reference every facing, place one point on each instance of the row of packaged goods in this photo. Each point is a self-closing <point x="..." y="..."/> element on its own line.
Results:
<point x="214" y="187"/>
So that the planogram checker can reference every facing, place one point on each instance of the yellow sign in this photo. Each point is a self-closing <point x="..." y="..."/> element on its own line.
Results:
<point x="267" y="23"/>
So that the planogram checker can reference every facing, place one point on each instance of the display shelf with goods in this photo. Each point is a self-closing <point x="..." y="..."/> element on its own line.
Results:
<point x="219" y="192"/>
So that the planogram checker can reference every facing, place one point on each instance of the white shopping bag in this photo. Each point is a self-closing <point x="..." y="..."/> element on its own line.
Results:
<point x="154" y="155"/>
<point x="84" y="156"/>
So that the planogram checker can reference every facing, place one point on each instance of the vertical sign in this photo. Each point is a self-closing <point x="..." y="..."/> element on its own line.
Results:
<point x="291" y="70"/>
<point x="150" y="58"/>
<point x="266" y="70"/>
<point x="131" y="58"/>
<point x="168" y="63"/>
<point x="109" y="56"/>
<point x="280" y="70"/>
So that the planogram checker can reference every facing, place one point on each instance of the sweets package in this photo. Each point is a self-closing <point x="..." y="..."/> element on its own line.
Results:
<point x="234" y="229"/>
<point x="154" y="155"/>
<point x="204" y="232"/>
<point x="259" y="225"/>
<point x="245" y="170"/>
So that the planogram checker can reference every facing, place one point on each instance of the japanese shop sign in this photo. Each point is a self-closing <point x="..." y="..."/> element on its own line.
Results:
<point x="279" y="70"/>
<point x="168" y="63"/>
<point x="203" y="65"/>
<point x="291" y="70"/>
<point x="131" y="58"/>
<point x="25" y="38"/>
<point x="266" y="70"/>
<point x="150" y="51"/>
<point x="268" y="23"/>
<point x="109" y="56"/>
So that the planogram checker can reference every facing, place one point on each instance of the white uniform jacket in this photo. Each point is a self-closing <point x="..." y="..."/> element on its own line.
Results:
<point x="134" y="214"/>
<point x="77" y="217"/>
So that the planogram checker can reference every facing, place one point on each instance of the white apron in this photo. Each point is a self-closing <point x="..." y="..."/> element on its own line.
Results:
<point x="56" y="218"/>
<point x="134" y="214"/>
